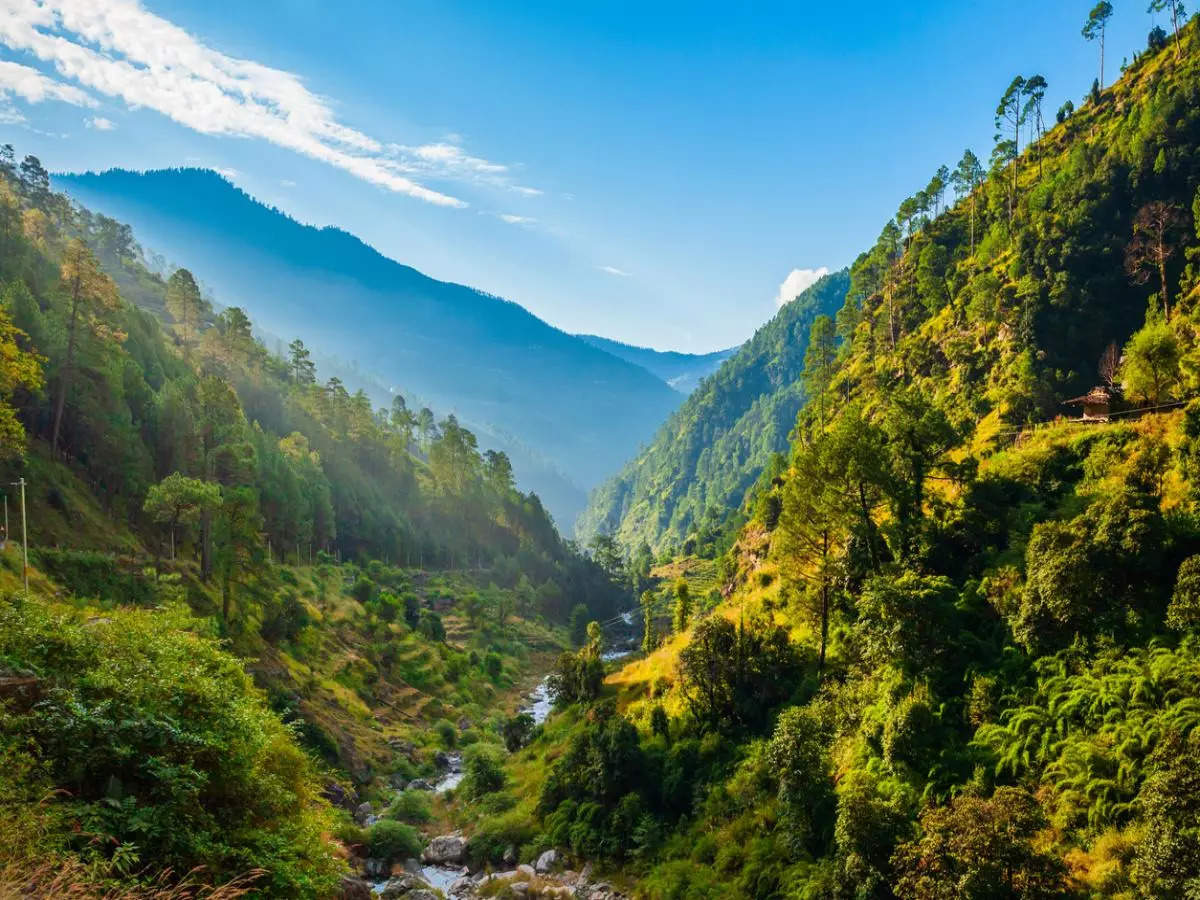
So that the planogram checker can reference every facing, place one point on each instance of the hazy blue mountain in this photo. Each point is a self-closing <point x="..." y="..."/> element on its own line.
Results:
<point x="682" y="371"/>
<point x="710" y="451"/>
<point x="497" y="366"/>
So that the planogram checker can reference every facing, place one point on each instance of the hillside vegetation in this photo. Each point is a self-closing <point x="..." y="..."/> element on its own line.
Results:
<point x="955" y="648"/>
<point x="702" y="461"/>
<point x="255" y="599"/>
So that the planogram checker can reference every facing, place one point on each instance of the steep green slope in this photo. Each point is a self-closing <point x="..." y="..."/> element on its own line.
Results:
<point x="711" y="450"/>
<point x="959" y="650"/>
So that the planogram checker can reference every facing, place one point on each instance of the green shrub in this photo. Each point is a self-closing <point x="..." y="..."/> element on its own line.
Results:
<point x="446" y="733"/>
<point x="89" y="574"/>
<point x="411" y="806"/>
<point x="150" y="737"/>
<point x="484" y="771"/>
<point x="390" y="840"/>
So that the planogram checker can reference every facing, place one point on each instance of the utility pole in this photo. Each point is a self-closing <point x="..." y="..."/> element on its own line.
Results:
<point x="24" y="534"/>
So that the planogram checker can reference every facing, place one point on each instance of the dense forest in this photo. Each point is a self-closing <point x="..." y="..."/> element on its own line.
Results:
<point x="247" y="587"/>
<point x="953" y="651"/>
<point x="679" y="493"/>
<point x="914" y="576"/>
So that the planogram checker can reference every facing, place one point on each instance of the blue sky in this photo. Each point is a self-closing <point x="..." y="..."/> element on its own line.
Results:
<point x="648" y="171"/>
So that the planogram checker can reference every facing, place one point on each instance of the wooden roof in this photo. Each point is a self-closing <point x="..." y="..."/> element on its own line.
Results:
<point x="1096" y="396"/>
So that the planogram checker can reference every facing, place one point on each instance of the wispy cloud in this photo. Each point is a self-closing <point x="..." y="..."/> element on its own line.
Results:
<point x="613" y="270"/>
<point x="100" y="123"/>
<point x="119" y="49"/>
<point x="287" y="183"/>
<point x="516" y="220"/>
<point x="32" y="86"/>
<point x="226" y="173"/>
<point x="797" y="282"/>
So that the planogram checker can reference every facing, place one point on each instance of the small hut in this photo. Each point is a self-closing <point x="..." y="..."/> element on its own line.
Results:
<point x="1096" y="404"/>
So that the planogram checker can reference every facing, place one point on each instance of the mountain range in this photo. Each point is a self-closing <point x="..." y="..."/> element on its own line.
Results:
<point x="568" y="412"/>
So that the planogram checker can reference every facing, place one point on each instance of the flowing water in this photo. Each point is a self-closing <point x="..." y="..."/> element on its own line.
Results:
<point x="539" y="705"/>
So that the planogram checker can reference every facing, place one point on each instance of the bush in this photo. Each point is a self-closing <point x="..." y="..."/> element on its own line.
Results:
<point x="484" y="772"/>
<point x="149" y="734"/>
<point x="517" y="731"/>
<point x="411" y="806"/>
<point x="493" y="665"/>
<point x="86" y="573"/>
<point x="446" y="733"/>
<point x="390" y="840"/>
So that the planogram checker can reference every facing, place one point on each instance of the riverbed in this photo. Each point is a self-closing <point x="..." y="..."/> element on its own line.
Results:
<point x="539" y="704"/>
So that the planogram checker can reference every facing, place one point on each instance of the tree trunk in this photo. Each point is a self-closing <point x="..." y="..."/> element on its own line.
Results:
<point x="64" y="379"/>
<point x="824" y="601"/>
<point x="869" y="526"/>
<point x="1161" y="259"/>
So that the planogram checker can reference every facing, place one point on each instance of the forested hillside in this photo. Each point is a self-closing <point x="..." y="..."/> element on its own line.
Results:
<point x="702" y="461"/>
<point x="252" y="595"/>
<point x="958" y="648"/>
<point x="581" y="410"/>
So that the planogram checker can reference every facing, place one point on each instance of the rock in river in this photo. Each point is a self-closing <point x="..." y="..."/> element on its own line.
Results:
<point x="446" y="849"/>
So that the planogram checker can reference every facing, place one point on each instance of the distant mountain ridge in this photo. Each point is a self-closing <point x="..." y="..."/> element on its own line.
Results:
<point x="490" y="361"/>
<point x="682" y="371"/>
<point x="708" y="454"/>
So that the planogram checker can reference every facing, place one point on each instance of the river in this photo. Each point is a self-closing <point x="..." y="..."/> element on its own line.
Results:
<point x="539" y="704"/>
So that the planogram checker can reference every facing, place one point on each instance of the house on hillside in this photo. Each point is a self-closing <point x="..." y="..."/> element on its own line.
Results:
<point x="1096" y="403"/>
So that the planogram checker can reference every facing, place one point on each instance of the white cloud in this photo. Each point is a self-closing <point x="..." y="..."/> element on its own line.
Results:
<point x="32" y="86"/>
<point x="287" y="183"/>
<point x="516" y="220"/>
<point x="797" y="282"/>
<point x="119" y="49"/>
<point x="227" y="173"/>
<point x="100" y="123"/>
<point x="613" y="270"/>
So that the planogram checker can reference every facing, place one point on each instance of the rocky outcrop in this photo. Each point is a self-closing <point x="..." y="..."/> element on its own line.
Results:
<point x="546" y="862"/>
<point x="446" y="850"/>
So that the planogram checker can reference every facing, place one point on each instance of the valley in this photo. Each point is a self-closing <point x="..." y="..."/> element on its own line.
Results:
<point x="321" y="578"/>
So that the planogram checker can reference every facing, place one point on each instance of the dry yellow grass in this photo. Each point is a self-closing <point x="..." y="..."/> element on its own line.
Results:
<point x="70" y="879"/>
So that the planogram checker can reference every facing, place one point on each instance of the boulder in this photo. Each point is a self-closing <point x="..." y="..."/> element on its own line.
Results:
<point x="441" y="759"/>
<point x="362" y="812"/>
<point x="446" y="849"/>
<point x="421" y="894"/>
<point x="398" y="781"/>
<point x="420" y="785"/>
<point x="403" y="886"/>
<point x="510" y="855"/>
<point x="338" y="796"/>
<point x="354" y="889"/>
<point x="546" y="862"/>
<point x="462" y="886"/>
<point x="519" y="888"/>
